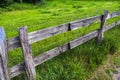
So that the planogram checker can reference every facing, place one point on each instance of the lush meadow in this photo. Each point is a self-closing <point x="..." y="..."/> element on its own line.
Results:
<point x="76" y="64"/>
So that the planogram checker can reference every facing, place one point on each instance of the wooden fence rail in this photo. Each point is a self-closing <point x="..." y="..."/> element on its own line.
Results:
<point x="45" y="33"/>
<point x="25" y="39"/>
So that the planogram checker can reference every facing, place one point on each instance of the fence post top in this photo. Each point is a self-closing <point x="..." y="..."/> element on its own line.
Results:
<point x="106" y="12"/>
<point x="24" y="27"/>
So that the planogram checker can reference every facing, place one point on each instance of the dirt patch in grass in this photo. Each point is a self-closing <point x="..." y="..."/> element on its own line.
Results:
<point x="110" y="70"/>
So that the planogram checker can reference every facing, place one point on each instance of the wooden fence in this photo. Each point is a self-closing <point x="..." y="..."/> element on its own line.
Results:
<point x="25" y="39"/>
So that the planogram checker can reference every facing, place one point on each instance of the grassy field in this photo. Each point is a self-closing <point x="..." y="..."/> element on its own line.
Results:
<point x="76" y="64"/>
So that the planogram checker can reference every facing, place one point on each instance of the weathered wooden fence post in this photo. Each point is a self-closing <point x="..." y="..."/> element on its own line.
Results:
<point x="27" y="52"/>
<point x="102" y="26"/>
<point x="4" y="71"/>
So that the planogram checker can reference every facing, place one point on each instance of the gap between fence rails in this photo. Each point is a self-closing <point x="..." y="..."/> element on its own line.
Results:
<point x="48" y="32"/>
<point x="24" y="41"/>
<point x="18" y="69"/>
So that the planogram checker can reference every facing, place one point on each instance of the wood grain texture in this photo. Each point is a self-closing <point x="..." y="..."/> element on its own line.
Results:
<point x="13" y="43"/>
<point x="27" y="52"/>
<point x="18" y="69"/>
<point x="4" y="72"/>
<point x="112" y="15"/>
<point x="54" y="52"/>
<point x="102" y="27"/>
<point x="115" y="14"/>
<point x="35" y="36"/>
<point x="83" y="39"/>
<point x="48" y="32"/>
<point x="84" y="22"/>
<point x="112" y="25"/>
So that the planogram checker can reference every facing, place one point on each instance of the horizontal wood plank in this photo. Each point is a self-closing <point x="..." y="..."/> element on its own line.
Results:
<point x="84" y="22"/>
<point x="115" y="14"/>
<point x="13" y="43"/>
<point x="18" y="69"/>
<point x="48" y="32"/>
<point x="83" y="39"/>
<point x="112" y="25"/>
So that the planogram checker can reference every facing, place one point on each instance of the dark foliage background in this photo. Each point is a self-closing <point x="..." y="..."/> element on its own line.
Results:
<point x="4" y="3"/>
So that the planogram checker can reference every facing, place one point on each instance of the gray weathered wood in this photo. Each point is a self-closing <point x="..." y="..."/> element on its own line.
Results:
<point x="38" y="35"/>
<point x="112" y="15"/>
<point x="18" y="69"/>
<point x="112" y="25"/>
<point x="48" y="32"/>
<point x="102" y="27"/>
<point x="115" y="14"/>
<point x="84" y="22"/>
<point x="83" y="39"/>
<point x="13" y="43"/>
<point x="27" y="52"/>
<point x="52" y="53"/>
<point x="4" y="72"/>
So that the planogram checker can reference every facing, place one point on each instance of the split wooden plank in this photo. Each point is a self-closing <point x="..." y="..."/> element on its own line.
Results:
<point x="115" y="14"/>
<point x="102" y="27"/>
<point x="51" y="53"/>
<point x="35" y="36"/>
<point x="112" y="15"/>
<point x="48" y="32"/>
<point x="83" y="39"/>
<point x="38" y="35"/>
<point x="18" y="69"/>
<point x="84" y="22"/>
<point x="13" y="43"/>
<point x="40" y="59"/>
<point x="27" y="52"/>
<point x="112" y="25"/>
<point x="4" y="71"/>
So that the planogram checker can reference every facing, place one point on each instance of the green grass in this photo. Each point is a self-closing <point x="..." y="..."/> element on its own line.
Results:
<point x="76" y="64"/>
<point x="52" y="13"/>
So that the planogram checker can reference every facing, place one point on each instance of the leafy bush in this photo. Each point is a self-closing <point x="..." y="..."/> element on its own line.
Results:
<point x="5" y="2"/>
<point x="2" y="3"/>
